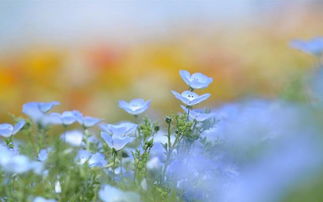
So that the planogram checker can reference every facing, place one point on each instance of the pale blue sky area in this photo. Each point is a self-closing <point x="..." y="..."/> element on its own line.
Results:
<point x="65" y="20"/>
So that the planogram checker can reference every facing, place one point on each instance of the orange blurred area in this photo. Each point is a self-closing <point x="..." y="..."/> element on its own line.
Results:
<point x="251" y="60"/>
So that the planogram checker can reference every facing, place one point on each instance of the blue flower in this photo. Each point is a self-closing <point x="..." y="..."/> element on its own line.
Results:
<point x="190" y="98"/>
<point x="38" y="112"/>
<point x="65" y="118"/>
<point x="313" y="46"/>
<point x="41" y="199"/>
<point x="198" y="115"/>
<point x="85" y="121"/>
<point x="116" y="142"/>
<point x="97" y="160"/>
<point x="109" y="193"/>
<point x="135" y="106"/>
<point x="7" y="130"/>
<point x="120" y="129"/>
<point x="196" y="80"/>
<point x="43" y="154"/>
<point x="93" y="160"/>
<point x="83" y="156"/>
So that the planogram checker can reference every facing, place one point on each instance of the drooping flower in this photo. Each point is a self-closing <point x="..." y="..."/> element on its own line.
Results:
<point x="85" y="121"/>
<point x="198" y="115"/>
<point x="73" y="137"/>
<point x="190" y="98"/>
<point x="196" y="80"/>
<point x="109" y="193"/>
<point x="116" y="142"/>
<point x="7" y="130"/>
<point x="313" y="46"/>
<point x="135" y="106"/>
<point x="37" y="110"/>
<point x="121" y="129"/>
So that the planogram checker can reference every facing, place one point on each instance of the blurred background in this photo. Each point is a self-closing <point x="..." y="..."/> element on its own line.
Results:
<point x="90" y="54"/>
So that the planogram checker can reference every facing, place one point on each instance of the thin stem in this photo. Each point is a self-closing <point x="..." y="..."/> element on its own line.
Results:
<point x="114" y="156"/>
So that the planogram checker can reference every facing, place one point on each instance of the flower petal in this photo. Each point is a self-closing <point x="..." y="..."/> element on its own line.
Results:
<point x="6" y="129"/>
<point x="185" y="76"/>
<point x="18" y="126"/>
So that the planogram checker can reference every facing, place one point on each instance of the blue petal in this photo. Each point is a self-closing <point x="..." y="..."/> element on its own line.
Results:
<point x="185" y="76"/>
<point x="200" y="99"/>
<point x="6" y="129"/>
<point x="46" y="106"/>
<point x="90" y="121"/>
<point x="18" y="126"/>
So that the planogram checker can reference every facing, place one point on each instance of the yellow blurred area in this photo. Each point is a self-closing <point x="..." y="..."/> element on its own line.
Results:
<point x="250" y="61"/>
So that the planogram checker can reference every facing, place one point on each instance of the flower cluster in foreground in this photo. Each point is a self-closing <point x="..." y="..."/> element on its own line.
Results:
<point x="247" y="151"/>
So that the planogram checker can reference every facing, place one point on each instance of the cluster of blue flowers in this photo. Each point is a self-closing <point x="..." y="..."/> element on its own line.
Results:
<point x="247" y="151"/>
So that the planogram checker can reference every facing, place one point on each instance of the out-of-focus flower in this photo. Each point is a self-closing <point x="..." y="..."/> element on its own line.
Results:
<point x="313" y="46"/>
<point x="41" y="199"/>
<point x="198" y="115"/>
<point x="73" y="137"/>
<point x="114" y="141"/>
<point x="97" y="160"/>
<point x="85" y="121"/>
<point x="83" y="156"/>
<point x="190" y="98"/>
<point x="196" y="80"/>
<point x="135" y="106"/>
<point x="12" y="162"/>
<point x="111" y="194"/>
<point x="37" y="167"/>
<point x="7" y="130"/>
<point x="154" y="164"/>
<point x="120" y="129"/>
<point x="317" y="85"/>
<point x="93" y="160"/>
<point x="58" y="187"/>
<point x="43" y="154"/>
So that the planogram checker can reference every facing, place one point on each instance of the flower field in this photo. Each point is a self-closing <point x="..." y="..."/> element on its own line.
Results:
<point x="152" y="102"/>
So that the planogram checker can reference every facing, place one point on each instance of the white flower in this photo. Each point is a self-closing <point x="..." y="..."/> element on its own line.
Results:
<point x="190" y="98"/>
<point x="120" y="129"/>
<point x="196" y="80"/>
<point x="58" y="187"/>
<point x="116" y="142"/>
<point x="111" y="194"/>
<point x="198" y="115"/>
<point x="73" y="137"/>
<point x="7" y="130"/>
<point x="135" y="106"/>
